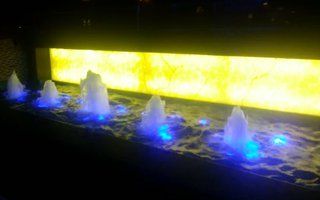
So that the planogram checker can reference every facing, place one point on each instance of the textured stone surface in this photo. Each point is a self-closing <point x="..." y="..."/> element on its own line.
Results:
<point x="12" y="58"/>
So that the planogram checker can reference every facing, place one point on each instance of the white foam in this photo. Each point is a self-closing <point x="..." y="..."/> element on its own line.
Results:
<point x="94" y="95"/>
<point x="15" y="89"/>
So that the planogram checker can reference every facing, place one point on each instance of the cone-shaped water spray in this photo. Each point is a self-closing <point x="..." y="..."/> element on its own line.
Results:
<point x="94" y="95"/>
<point x="49" y="95"/>
<point x="236" y="130"/>
<point x="154" y="115"/>
<point x="15" y="89"/>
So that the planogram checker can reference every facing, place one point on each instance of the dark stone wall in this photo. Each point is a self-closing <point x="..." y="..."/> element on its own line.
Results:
<point x="12" y="57"/>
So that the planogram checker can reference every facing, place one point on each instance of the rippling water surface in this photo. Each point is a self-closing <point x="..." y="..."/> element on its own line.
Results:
<point x="288" y="144"/>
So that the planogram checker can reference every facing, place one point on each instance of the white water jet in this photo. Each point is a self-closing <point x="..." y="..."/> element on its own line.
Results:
<point x="49" y="94"/>
<point x="154" y="115"/>
<point x="94" y="95"/>
<point x="236" y="130"/>
<point x="14" y="87"/>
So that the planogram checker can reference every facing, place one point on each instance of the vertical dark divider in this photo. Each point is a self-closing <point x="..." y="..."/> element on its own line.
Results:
<point x="29" y="48"/>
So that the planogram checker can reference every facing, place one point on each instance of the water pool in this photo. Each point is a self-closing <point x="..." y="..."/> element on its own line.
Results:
<point x="288" y="144"/>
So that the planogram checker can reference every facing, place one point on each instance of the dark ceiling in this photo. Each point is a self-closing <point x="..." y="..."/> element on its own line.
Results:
<point x="160" y="14"/>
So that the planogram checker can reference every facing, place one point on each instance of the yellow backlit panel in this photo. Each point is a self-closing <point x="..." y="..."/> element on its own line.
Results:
<point x="291" y="85"/>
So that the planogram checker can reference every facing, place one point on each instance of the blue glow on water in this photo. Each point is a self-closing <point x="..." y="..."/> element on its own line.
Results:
<point x="93" y="118"/>
<point x="65" y="97"/>
<point x="57" y="104"/>
<point x="229" y="153"/>
<point x="121" y="109"/>
<point x="165" y="136"/>
<point x="79" y="101"/>
<point x="163" y="132"/>
<point x="204" y="122"/>
<point x="40" y="105"/>
<point x="279" y="140"/>
<point x="101" y="118"/>
<point x="85" y="119"/>
<point x="251" y="150"/>
<point x="22" y="98"/>
<point x="175" y="117"/>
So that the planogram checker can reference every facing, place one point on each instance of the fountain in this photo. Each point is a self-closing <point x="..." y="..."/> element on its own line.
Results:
<point x="15" y="89"/>
<point x="49" y="95"/>
<point x="236" y="134"/>
<point x="274" y="149"/>
<point x="154" y="116"/>
<point x="94" y="95"/>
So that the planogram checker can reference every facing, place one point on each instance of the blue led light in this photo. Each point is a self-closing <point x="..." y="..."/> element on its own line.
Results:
<point x="163" y="128"/>
<point x="251" y="150"/>
<point x="279" y="140"/>
<point x="252" y="155"/>
<point x="165" y="136"/>
<point x="163" y="132"/>
<point x="204" y="122"/>
<point x="121" y="109"/>
<point x="93" y="118"/>
<point x="101" y="118"/>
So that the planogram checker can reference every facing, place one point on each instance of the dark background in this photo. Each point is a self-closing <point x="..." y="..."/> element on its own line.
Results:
<point x="159" y="14"/>
<point x="275" y="28"/>
<point x="272" y="28"/>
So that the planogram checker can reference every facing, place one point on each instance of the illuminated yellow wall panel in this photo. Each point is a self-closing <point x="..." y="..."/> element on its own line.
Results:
<point x="291" y="85"/>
